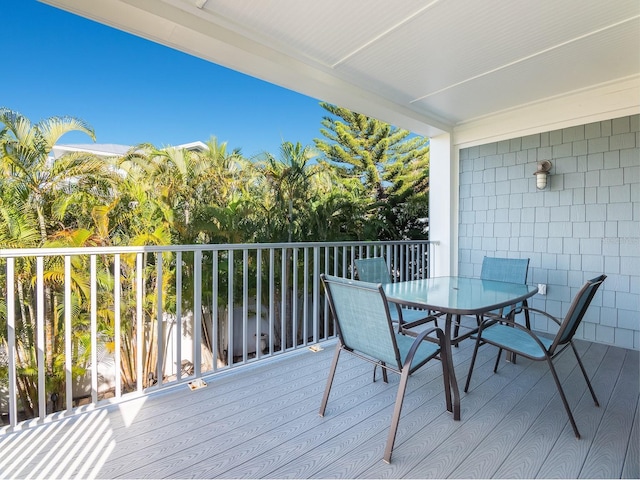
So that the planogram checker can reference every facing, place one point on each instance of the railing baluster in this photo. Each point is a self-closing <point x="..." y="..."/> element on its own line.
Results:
<point x="159" y="320"/>
<point x="316" y="293"/>
<point x="283" y="299"/>
<point x="215" y="285"/>
<point x="67" y="334"/>
<point x="116" y="325"/>
<point x="139" y="323"/>
<point x="197" y="317"/>
<point x="305" y="299"/>
<point x="178" y="334"/>
<point x="258" y="303"/>
<point x="42" y="399"/>
<point x="245" y="304"/>
<point x="272" y="287"/>
<point x="294" y="300"/>
<point x="11" y="342"/>
<point x="94" y="328"/>
<point x="230" y="316"/>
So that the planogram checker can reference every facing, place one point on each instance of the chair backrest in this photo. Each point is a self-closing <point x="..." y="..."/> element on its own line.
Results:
<point x="576" y="312"/>
<point x="373" y="270"/>
<point x="361" y="313"/>
<point x="513" y="270"/>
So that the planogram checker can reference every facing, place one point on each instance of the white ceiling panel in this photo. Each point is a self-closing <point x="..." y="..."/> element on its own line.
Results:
<point x="565" y="69"/>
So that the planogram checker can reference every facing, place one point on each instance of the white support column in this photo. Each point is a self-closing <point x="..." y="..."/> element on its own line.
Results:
<point x="443" y="204"/>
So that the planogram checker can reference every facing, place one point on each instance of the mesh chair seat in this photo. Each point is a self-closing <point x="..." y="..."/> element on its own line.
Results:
<point x="519" y="342"/>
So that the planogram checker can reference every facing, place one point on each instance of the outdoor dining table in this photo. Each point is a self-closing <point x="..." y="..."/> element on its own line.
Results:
<point x="454" y="296"/>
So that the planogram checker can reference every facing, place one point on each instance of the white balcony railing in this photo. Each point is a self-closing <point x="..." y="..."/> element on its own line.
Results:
<point x="83" y="325"/>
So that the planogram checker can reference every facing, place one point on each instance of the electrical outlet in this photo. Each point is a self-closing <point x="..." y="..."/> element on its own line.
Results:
<point x="542" y="289"/>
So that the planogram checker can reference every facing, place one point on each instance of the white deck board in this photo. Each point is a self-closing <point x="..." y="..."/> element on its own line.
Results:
<point x="263" y="422"/>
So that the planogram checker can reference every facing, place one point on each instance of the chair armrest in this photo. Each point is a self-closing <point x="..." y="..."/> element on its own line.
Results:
<point x="423" y="337"/>
<point x="535" y="310"/>
<point x="409" y="325"/>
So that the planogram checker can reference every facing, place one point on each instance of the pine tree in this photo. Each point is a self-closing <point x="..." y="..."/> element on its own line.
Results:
<point x="391" y="164"/>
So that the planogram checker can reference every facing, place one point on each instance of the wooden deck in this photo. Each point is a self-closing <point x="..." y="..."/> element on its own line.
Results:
<point x="262" y="422"/>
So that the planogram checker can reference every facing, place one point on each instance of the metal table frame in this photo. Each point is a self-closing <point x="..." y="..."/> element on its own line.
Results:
<point x="453" y="296"/>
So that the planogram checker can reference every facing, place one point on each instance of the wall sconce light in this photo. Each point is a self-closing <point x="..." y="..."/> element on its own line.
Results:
<point x="541" y="175"/>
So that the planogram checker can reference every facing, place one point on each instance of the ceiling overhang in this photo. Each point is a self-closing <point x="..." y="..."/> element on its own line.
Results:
<point x="477" y="69"/>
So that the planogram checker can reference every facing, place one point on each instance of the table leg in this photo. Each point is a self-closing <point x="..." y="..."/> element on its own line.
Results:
<point x="452" y="372"/>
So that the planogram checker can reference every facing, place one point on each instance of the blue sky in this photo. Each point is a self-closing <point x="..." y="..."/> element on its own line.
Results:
<point x="131" y="90"/>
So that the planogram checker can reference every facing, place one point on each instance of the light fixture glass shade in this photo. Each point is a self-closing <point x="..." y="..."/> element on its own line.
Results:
<point x="542" y="173"/>
<point x="541" y="180"/>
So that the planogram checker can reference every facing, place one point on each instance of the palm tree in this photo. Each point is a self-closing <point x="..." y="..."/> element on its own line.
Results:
<point x="40" y="191"/>
<point x="30" y="173"/>
<point x="289" y="177"/>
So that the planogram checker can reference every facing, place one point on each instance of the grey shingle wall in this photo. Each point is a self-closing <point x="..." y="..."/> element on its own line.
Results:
<point x="585" y="223"/>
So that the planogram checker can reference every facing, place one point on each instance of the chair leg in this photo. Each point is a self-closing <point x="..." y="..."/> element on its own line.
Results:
<point x="456" y="329"/>
<point x="383" y="367"/>
<point x="584" y="373"/>
<point x="395" y="419"/>
<point x="495" y="367"/>
<point x="473" y="363"/>
<point x="332" y="373"/>
<point x="562" y="396"/>
<point x="527" y="321"/>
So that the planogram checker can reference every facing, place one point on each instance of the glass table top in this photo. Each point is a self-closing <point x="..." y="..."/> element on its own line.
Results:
<point x="458" y="295"/>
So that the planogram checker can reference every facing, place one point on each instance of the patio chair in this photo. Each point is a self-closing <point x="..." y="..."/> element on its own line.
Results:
<point x="521" y="340"/>
<point x="512" y="270"/>
<point x="364" y="328"/>
<point x="375" y="270"/>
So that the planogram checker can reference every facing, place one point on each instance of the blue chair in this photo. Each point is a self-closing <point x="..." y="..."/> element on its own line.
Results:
<point x="363" y="322"/>
<point x="520" y="340"/>
<point x="512" y="270"/>
<point x="375" y="270"/>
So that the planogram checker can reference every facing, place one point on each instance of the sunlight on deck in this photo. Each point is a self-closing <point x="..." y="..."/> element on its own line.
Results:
<point x="59" y="453"/>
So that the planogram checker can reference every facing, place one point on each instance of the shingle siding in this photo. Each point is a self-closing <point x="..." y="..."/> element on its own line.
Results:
<point x="585" y="223"/>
